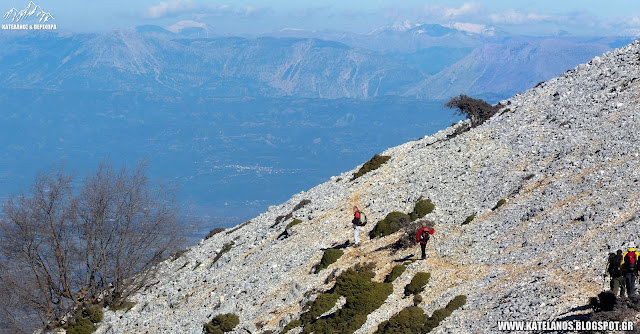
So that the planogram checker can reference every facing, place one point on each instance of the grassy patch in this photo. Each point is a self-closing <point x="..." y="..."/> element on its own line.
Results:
<point x="373" y="164"/>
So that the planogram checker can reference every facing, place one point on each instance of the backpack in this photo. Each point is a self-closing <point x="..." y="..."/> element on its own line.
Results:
<point x="425" y="235"/>
<point x="631" y="261"/>
<point x="362" y="221"/>
<point x="614" y="266"/>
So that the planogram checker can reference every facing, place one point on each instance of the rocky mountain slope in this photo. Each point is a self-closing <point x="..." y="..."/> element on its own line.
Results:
<point x="564" y="157"/>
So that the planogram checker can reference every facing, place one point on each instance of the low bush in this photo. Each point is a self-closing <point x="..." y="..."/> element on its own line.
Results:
<point x="412" y="320"/>
<point x="374" y="163"/>
<point x="363" y="296"/>
<point x="84" y="322"/>
<point x="469" y="219"/>
<point x="330" y="256"/>
<point x="293" y="324"/>
<point x="417" y="284"/>
<point x="500" y="203"/>
<point x="390" y="224"/>
<point x="214" y="232"/>
<point x="321" y="305"/>
<point x="226" y="248"/>
<point x="81" y="325"/>
<point x="239" y="227"/>
<point x="222" y="323"/>
<point x="395" y="273"/>
<point x="293" y="223"/>
<point x="301" y="204"/>
<point x="122" y="306"/>
<point x="417" y="299"/>
<point x="422" y="208"/>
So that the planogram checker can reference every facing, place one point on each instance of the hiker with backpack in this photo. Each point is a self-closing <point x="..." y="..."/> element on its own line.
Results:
<point x="629" y="266"/>
<point x="617" y="282"/>
<point x="359" y="220"/>
<point x="422" y="236"/>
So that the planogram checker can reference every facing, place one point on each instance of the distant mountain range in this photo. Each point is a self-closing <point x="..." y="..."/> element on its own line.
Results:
<point x="427" y="62"/>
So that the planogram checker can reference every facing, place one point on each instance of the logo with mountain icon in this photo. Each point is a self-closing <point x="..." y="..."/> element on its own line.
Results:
<point x="21" y="19"/>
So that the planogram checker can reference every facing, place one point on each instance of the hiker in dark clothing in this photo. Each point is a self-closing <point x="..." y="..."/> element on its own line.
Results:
<point x="617" y="282"/>
<point x="422" y="236"/>
<point x="629" y="266"/>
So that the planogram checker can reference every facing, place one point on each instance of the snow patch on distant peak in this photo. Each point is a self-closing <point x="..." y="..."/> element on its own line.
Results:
<point x="178" y="26"/>
<point x="473" y="28"/>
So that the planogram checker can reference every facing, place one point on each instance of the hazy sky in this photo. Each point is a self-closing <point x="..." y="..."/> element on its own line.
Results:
<point x="530" y="17"/>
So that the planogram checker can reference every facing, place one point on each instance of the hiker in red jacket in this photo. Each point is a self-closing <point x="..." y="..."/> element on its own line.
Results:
<point x="423" y="236"/>
<point x="356" y="225"/>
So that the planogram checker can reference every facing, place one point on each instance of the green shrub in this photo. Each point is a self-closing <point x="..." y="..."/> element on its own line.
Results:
<point x="370" y="165"/>
<point x="121" y="306"/>
<point x="293" y="324"/>
<point x="417" y="284"/>
<point x="362" y="295"/>
<point x="422" y="208"/>
<point x="457" y="302"/>
<point x="239" y="227"/>
<point x="293" y="223"/>
<point x="500" y="203"/>
<point x="322" y="304"/>
<point x="390" y="224"/>
<point x="412" y="320"/>
<point x="330" y="256"/>
<point x="222" y="323"/>
<point x="93" y="313"/>
<point x="395" y="273"/>
<point x="81" y="325"/>
<point x="469" y="219"/>
<point x="417" y="299"/>
<point x="227" y="247"/>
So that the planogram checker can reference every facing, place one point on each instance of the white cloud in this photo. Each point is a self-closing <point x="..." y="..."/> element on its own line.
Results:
<point x="170" y="8"/>
<point x="515" y="17"/>
<point x="453" y="12"/>
<point x="177" y="7"/>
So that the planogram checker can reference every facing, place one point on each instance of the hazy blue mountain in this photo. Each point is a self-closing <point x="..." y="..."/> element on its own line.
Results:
<point x="128" y="61"/>
<point x="506" y="67"/>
